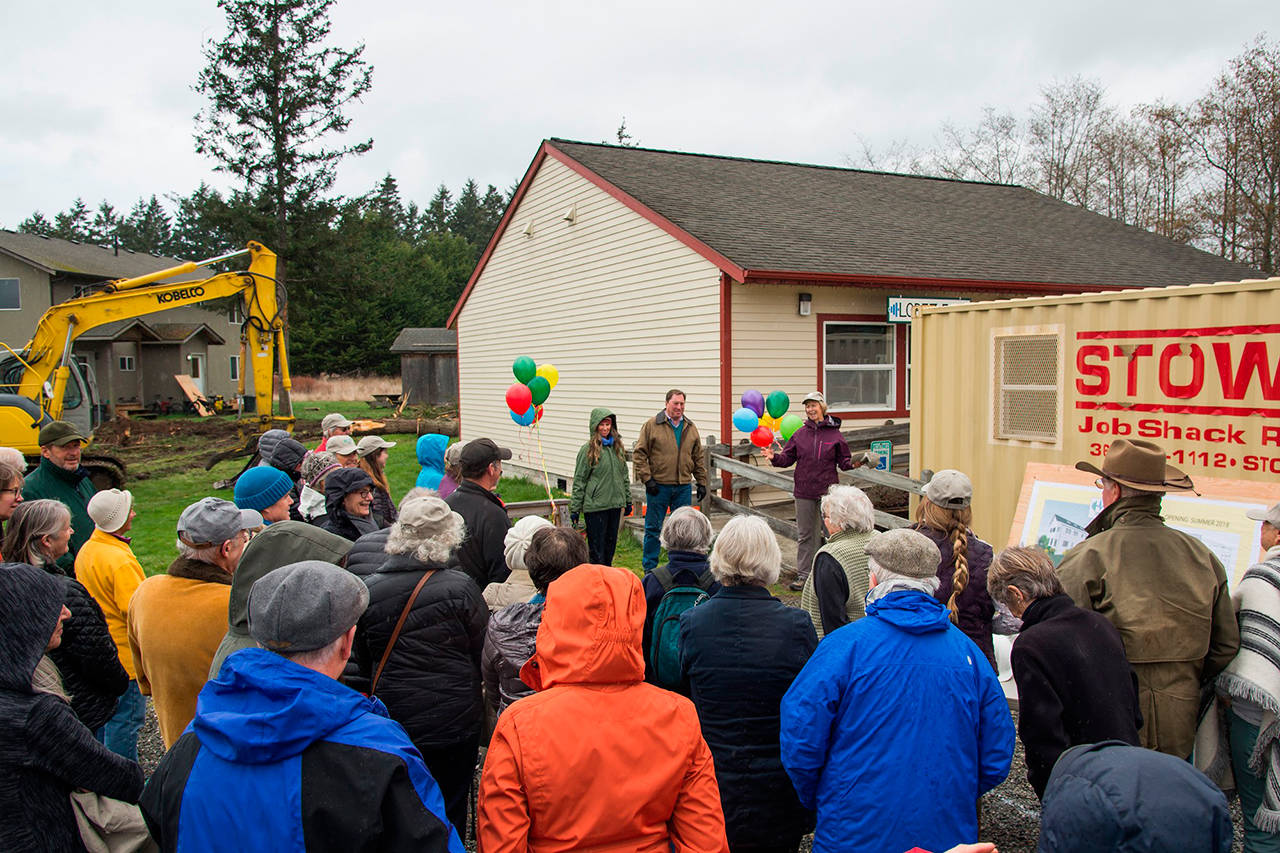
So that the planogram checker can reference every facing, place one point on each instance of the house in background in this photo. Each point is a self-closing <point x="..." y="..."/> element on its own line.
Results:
<point x="134" y="360"/>
<point x="635" y="271"/>
<point x="428" y="366"/>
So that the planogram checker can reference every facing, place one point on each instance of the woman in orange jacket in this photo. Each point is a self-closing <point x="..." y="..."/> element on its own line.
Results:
<point x="597" y="758"/>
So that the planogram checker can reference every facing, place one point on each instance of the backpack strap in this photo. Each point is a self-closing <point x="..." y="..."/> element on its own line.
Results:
<point x="663" y="574"/>
<point x="395" y="634"/>
<point x="706" y="581"/>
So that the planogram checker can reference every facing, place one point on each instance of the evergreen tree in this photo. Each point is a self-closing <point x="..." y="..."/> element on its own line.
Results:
<point x="436" y="216"/>
<point x="36" y="223"/>
<point x="105" y="223"/>
<point x="147" y="228"/>
<point x="74" y="223"/>
<point x="467" y="218"/>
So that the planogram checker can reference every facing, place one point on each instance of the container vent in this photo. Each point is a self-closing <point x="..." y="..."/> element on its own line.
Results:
<point x="1026" y="380"/>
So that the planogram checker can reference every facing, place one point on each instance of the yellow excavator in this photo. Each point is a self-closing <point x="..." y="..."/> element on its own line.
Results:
<point x="36" y="381"/>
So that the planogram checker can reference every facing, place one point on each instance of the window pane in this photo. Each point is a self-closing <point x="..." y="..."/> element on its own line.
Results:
<point x="860" y="389"/>
<point x="10" y="294"/>
<point x="850" y="344"/>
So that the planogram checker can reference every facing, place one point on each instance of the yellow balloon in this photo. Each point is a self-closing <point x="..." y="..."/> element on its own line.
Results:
<point x="771" y="422"/>
<point x="549" y="373"/>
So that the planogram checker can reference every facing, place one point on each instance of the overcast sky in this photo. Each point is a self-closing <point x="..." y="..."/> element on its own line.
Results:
<point x="98" y="101"/>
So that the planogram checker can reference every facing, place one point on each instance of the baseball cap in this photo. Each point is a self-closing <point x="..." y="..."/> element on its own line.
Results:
<point x="949" y="488"/>
<point x="371" y="444"/>
<point x="305" y="606"/>
<point x="59" y="433"/>
<point x="212" y="521"/>
<point x="815" y="396"/>
<point x="342" y="445"/>
<point x="479" y="454"/>
<point x="1270" y="516"/>
<point x="334" y="421"/>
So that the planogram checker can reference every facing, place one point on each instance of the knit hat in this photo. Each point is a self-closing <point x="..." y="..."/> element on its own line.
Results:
<point x="340" y="445"/>
<point x="518" y="539"/>
<point x="420" y="518"/>
<point x="316" y="465"/>
<point x="109" y="509"/>
<point x="259" y="488"/>
<point x="334" y="421"/>
<point x="453" y="453"/>
<point x="371" y="444"/>
<point x="949" y="489"/>
<point x="905" y="552"/>
<point x="305" y="606"/>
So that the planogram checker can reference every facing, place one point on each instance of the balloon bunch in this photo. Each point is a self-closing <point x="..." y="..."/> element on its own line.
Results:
<point x="533" y="386"/>
<point x="766" y="418"/>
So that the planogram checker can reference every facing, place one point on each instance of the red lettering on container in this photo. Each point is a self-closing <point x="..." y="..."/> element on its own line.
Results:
<point x="1192" y="388"/>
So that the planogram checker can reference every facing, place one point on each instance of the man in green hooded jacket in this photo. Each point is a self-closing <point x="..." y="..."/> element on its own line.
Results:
<point x="60" y="477"/>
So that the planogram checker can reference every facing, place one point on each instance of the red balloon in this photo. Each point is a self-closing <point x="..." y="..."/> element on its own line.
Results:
<point x="762" y="436"/>
<point x="519" y="398"/>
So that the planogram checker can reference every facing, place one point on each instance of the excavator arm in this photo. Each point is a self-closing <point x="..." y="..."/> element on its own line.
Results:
<point x="262" y="339"/>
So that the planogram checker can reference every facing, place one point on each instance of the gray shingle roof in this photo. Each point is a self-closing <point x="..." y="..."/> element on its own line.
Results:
<point x="425" y="340"/>
<point x="771" y="216"/>
<point x="84" y="259"/>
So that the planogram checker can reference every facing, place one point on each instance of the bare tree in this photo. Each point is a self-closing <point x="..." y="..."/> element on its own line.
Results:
<point x="992" y="151"/>
<point x="898" y="156"/>
<point x="1063" y="131"/>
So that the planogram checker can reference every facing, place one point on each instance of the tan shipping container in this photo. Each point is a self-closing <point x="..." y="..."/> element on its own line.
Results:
<point x="998" y="385"/>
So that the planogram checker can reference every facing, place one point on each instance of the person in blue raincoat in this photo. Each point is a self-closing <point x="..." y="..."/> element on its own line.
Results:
<point x="897" y="724"/>
<point x="431" y="457"/>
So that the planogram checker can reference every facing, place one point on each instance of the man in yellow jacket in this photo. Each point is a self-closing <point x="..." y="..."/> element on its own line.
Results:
<point x="107" y="567"/>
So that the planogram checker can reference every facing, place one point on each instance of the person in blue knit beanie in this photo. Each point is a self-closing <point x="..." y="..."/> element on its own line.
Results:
<point x="267" y="490"/>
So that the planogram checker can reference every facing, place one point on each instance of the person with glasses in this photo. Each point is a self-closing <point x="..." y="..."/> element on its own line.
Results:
<point x="348" y="499"/>
<point x="11" y="494"/>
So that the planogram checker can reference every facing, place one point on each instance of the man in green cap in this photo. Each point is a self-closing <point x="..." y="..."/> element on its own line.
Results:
<point x="60" y="477"/>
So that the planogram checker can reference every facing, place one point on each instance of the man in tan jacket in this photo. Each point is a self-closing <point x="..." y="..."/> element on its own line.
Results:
<point x="177" y="620"/>
<point x="1163" y="590"/>
<point x="666" y="455"/>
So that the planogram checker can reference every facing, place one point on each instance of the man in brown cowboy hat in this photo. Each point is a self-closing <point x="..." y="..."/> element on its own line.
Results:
<point x="1163" y="590"/>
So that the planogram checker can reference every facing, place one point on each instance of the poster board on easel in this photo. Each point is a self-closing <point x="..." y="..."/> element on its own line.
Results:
<point x="1057" y="501"/>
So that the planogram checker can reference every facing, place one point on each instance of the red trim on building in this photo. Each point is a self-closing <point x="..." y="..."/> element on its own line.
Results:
<point x="726" y="376"/>
<point x="899" y="369"/>
<point x="498" y="232"/>
<point x="1271" y="329"/>
<point x="1043" y="288"/>
<point x="1243" y="411"/>
<point x="649" y="214"/>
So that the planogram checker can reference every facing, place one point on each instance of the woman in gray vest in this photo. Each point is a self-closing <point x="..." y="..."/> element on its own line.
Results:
<point x="836" y="590"/>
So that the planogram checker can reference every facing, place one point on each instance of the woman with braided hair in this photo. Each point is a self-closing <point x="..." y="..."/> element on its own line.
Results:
<point x="944" y="515"/>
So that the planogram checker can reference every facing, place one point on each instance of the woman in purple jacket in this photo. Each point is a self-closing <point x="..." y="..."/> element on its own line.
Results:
<point x="817" y="449"/>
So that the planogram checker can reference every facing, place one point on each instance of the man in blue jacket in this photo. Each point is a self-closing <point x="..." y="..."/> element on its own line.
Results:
<point x="282" y="757"/>
<point x="897" y="724"/>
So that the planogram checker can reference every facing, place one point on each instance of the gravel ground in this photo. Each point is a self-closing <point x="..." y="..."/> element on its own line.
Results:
<point x="1010" y="814"/>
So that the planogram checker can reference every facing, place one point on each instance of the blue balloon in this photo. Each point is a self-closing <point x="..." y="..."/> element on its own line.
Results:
<point x="526" y="419"/>
<point x="745" y="420"/>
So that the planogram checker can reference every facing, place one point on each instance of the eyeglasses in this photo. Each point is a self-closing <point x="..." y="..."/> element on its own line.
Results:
<point x="16" y="492"/>
<point x="365" y="493"/>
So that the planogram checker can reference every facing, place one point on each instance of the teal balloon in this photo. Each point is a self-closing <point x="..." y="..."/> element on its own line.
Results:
<point x="526" y="419"/>
<point x="777" y="403"/>
<point x="540" y="388"/>
<point x="789" y="425"/>
<point x="745" y="420"/>
<point x="524" y="369"/>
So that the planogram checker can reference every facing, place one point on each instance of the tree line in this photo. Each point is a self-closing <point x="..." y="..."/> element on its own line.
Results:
<point x="1205" y="173"/>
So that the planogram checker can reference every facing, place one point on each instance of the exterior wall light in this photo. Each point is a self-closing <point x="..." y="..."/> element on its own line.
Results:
<point x="806" y="304"/>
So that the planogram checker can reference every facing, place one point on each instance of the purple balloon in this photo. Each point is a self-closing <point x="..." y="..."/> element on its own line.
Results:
<point x="754" y="401"/>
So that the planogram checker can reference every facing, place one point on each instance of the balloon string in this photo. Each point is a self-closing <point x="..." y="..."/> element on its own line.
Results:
<point x="546" y="481"/>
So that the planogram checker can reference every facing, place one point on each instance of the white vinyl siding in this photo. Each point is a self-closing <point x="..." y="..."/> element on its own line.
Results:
<point x="622" y="309"/>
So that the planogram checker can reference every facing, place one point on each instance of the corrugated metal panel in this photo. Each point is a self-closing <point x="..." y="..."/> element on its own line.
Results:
<point x="622" y="310"/>
<point x="955" y="390"/>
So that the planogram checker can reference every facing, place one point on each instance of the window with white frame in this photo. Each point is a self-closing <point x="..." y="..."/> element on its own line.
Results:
<point x="859" y="365"/>
<point x="235" y="367"/>
<point x="125" y="363"/>
<point x="235" y="314"/>
<point x="1025" y="369"/>
<point x="10" y="294"/>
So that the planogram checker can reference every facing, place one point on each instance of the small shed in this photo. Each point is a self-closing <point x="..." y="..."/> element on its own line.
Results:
<point x="428" y="366"/>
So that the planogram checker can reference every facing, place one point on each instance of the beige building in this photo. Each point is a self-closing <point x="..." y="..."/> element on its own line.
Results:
<point x="634" y="271"/>
<point x="134" y="361"/>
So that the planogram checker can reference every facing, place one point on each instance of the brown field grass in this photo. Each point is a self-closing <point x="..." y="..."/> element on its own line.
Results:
<point x="326" y="387"/>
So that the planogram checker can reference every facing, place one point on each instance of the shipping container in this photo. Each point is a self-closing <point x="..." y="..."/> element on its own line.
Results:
<point x="998" y="385"/>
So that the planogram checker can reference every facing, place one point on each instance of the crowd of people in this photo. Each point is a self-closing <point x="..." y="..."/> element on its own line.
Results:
<point x="329" y="669"/>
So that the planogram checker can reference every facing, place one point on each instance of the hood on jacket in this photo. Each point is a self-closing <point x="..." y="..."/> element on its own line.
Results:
<point x="263" y="708"/>
<point x="591" y="630"/>
<point x="1115" y="797"/>
<point x="827" y="421"/>
<point x="30" y="604"/>
<point x="514" y="630"/>
<point x="598" y="414"/>
<point x="267" y="444"/>
<point x="279" y="545"/>
<point x="286" y="456"/>
<point x="910" y="610"/>
<point x="430" y="448"/>
<point x="341" y="483"/>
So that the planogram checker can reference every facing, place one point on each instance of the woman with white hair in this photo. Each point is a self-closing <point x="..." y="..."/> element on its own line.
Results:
<point x="686" y="534"/>
<point x="835" y="592"/>
<point x="739" y="652"/>
<point x="518" y="586"/>
<point x="418" y="645"/>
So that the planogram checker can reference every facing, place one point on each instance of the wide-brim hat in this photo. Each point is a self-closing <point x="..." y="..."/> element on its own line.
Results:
<point x="1140" y="465"/>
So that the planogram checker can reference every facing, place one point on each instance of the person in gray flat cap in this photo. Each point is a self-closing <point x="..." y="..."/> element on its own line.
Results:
<point x="277" y="719"/>
<point x="896" y="703"/>
<point x="176" y="620"/>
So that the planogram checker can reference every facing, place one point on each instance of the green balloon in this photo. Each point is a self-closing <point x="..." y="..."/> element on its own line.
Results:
<point x="789" y="425"/>
<point x="540" y="388"/>
<point x="525" y="369"/>
<point x="777" y="403"/>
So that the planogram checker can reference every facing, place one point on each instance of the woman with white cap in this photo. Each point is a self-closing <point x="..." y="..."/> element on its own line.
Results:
<point x="817" y="449"/>
<point x="344" y="448"/>
<point x="371" y="453"/>
<point x="518" y="586"/>
<point x="945" y="516"/>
